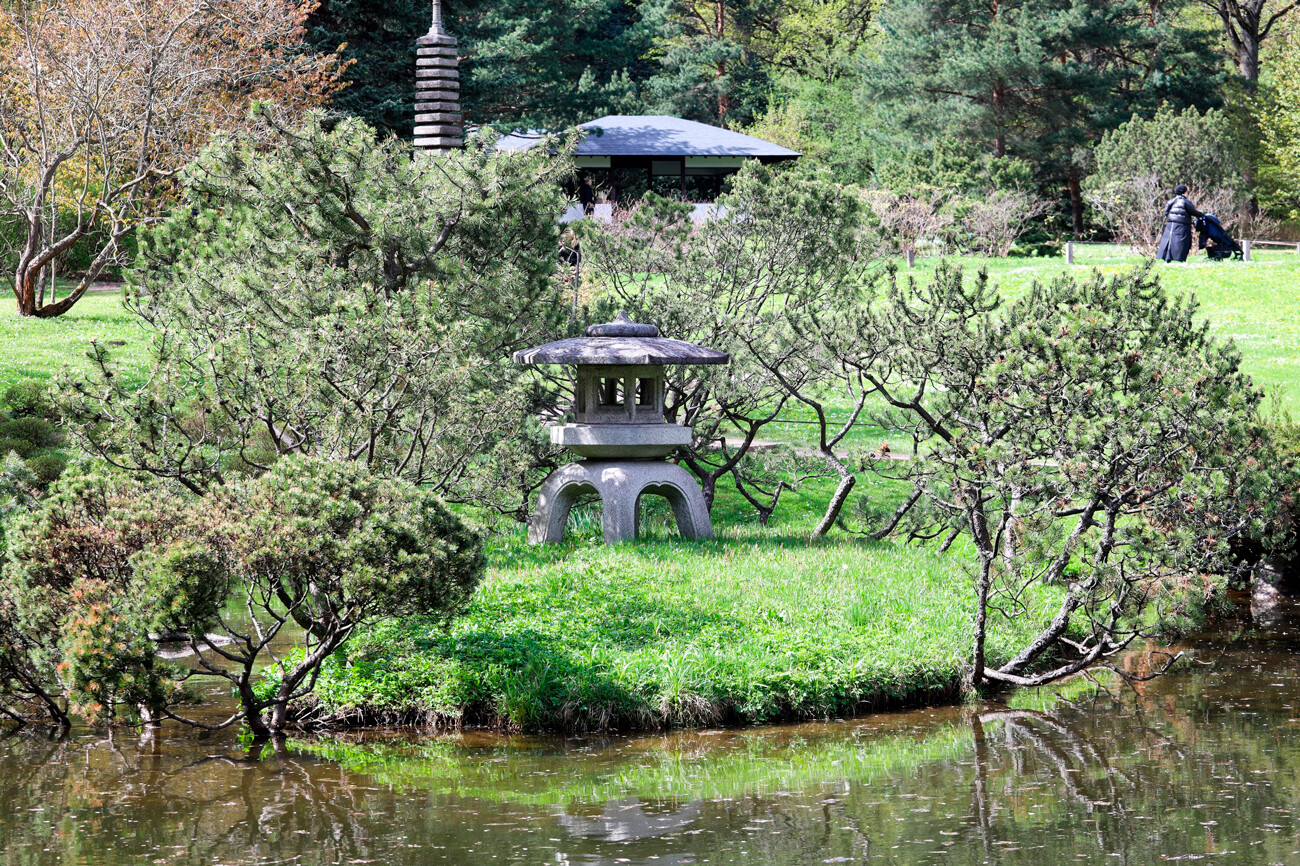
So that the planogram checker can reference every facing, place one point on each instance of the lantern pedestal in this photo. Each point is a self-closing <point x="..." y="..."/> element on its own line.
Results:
<point x="620" y="485"/>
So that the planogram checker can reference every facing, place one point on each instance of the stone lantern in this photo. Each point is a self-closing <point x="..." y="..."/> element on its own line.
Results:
<point x="619" y="431"/>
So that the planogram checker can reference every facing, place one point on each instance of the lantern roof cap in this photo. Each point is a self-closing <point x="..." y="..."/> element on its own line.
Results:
<point x="621" y="342"/>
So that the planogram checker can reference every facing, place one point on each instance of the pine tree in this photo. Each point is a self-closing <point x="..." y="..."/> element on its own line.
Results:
<point x="1035" y="79"/>
<point x="524" y="64"/>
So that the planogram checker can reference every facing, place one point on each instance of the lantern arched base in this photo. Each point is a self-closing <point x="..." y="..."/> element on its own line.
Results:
<point x="620" y="484"/>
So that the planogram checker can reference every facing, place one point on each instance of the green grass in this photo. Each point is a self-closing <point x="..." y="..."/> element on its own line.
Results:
<point x="1256" y="304"/>
<point x="33" y="348"/>
<point x="758" y="626"/>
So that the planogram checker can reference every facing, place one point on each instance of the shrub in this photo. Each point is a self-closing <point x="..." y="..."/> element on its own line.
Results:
<point x="1090" y="434"/>
<point x="74" y="622"/>
<point x="327" y="545"/>
<point x="24" y="448"/>
<point x="28" y="397"/>
<point x="909" y="220"/>
<point x="107" y="566"/>
<point x="1138" y="165"/>
<point x="36" y="431"/>
<point x="46" y="468"/>
<point x="996" y="221"/>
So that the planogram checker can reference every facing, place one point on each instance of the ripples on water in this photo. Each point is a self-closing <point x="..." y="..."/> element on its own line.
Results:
<point x="1200" y="765"/>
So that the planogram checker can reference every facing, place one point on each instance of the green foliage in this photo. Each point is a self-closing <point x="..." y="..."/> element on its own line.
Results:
<point x="332" y="294"/>
<point x="804" y="249"/>
<point x="1091" y="432"/>
<point x="27" y="397"/>
<point x="336" y="543"/>
<point x="1280" y="119"/>
<point x="1200" y="150"/>
<point x="822" y="121"/>
<point x="74" y="612"/>
<point x="1139" y="163"/>
<point x="524" y="65"/>
<point x="24" y="448"/>
<point x="1033" y="79"/>
<point x="186" y="583"/>
<point x="37" y="432"/>
<point x="108" y="565"/>
<point x="324" y="545"/>
<point x="29" y="431"/>
<point x="950" y="166"/>
<point x="19" y="489"/>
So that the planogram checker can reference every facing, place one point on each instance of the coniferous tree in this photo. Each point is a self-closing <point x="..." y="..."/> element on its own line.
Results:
<point x="1035" y="79"/>
<point x="526" y="64"/>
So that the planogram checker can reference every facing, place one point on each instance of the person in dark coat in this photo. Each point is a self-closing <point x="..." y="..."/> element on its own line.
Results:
<point x="587" y="197"/>
<point x="1176" y="242"/>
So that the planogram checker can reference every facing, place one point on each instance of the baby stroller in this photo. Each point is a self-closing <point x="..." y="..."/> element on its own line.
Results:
<point x="1215" y="240"/>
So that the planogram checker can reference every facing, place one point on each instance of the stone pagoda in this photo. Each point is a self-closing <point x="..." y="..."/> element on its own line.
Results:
<point x="619" y="431"/>
<point x="437" y="89"/>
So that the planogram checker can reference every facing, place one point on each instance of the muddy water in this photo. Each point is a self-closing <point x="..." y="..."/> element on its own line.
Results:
<point x="1199" y="765"/>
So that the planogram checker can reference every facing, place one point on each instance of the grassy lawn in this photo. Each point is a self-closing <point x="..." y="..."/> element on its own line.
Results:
<point x="757" y="626"/>
<point x="1255" y="303"/>
<point x="39" y="348"/>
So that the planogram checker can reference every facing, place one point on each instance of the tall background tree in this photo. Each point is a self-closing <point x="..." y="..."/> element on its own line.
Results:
<point x="1035" y="79"/>
<point x="102" y="102"/>
<point x="1246" y="25"/>
<point x="525" y="65"/>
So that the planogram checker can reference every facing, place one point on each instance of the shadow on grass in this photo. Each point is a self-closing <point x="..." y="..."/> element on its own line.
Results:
<point x="516" y="553"/>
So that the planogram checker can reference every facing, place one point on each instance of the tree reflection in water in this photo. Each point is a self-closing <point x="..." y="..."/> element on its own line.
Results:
<point x="1199" y="763"/>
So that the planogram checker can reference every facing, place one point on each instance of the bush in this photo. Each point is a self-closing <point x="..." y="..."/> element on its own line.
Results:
<point x="74" y="622"/>
<point x="24" y="448"/>
<point x="107" y="566"/>
<point x="1090" y="434"/>
<point x="46" y="468"/>
<point x="37" y="431"/>
<point x="28" y="397"/>
<point x="996" y="221"/>
<point x="1139" y="164"/>
<point x="331" y="546"/>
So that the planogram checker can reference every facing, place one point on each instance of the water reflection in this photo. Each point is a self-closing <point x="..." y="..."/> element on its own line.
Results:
<point x="1199" y="765"/>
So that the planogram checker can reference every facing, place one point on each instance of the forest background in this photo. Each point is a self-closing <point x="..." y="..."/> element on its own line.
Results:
<point x="916" y="97"/>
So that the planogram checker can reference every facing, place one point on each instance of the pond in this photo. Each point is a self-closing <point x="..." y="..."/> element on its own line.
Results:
<point x="1203" y="764"/>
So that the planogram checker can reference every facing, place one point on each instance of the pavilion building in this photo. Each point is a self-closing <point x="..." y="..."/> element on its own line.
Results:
<point x="628" y="154"/>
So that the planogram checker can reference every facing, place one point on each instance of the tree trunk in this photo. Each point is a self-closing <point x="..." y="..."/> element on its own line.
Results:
<point x="981" y="618"/>
<point x="1248" y="56"/>
<point x="1076" y="203"/>
<point x="252" y="711"/>
<point x="841" y="495"/>
<point x="25" y="289"/>
<point x="720" y="24"/>
<point x="709" y="487"/>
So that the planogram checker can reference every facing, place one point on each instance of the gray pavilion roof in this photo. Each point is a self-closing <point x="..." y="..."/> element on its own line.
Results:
<point x="658" y="135"/>
<point x="621" y="342"/>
